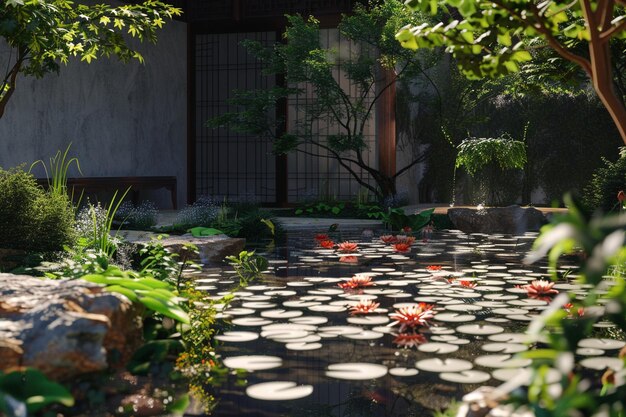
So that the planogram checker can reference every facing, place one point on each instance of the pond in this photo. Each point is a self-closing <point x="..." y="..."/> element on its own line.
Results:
<point x="307" y="352"/>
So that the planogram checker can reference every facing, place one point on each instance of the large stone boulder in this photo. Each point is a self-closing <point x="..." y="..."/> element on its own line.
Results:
<point x="65" y="327"/>
<point x="511" y="220"/>
<point x="211" y="249"/>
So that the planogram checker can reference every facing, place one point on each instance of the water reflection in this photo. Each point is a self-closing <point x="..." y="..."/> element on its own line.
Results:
<point x="297" y="327"/>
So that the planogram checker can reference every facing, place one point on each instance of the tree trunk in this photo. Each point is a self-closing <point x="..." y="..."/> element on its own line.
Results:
<point x="602" y="73"/>
<point x="387" y="186"/>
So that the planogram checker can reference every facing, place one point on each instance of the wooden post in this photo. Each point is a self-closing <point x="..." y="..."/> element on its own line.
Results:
<point x="386" y="122"/>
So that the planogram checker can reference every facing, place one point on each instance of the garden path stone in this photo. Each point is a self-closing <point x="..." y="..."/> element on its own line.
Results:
<point x="63" y="327"/>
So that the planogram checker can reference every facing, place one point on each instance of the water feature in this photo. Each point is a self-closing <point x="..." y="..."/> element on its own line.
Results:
<point x="307" y="355"/>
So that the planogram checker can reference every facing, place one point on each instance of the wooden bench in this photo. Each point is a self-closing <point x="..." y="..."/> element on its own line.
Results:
<point x="120" y="184"/>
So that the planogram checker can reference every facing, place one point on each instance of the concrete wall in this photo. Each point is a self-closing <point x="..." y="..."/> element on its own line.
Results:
<point x="122" y="119"/>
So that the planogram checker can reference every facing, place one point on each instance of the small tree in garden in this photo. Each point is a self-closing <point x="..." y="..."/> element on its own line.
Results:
<point x="495" y="37"/>
<point x="43" y="34"/>
<point x="487" y="158"/>
<point x="308" y="67"/>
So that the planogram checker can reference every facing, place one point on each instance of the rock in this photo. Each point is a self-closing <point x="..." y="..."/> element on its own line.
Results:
<point x="65" y="327"/>
<point x="508" y="220"/>
<point x="212" y="249"/>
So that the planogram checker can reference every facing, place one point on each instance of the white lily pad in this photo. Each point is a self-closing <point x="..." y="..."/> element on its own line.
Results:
<point x="314" y="320"/>
<point x="589" y="352"/>
<point x="258" y="305"/>
<point x="604" y="344"/>
<point x="600" y="363"/>
<point x="509" y="337"/>
<point x="278" y="391"/>
<point x="504" y="347"/>
<point x="454" y="317"/>
<point x="364" y="335"/>
<point x="251" y="321"/>
<point x="281" y="314"/>
<point x="300" y="303"/>
<point x="340" y="330"/>
<point x="237" y="337"/>
<point x="501" y="361"/>
<point x="403" y="371"/>
<point x="509" y="311"/>
<point x="368" y="320"/>
<point x="463" y="307"/>
<point x="356" y="371"/>
<point x="253" y="362"/>
<point x="328" y="308"/>
<point x="443" y="365"/>
<point x="239" y="311"/>
<point x="439" y="348"/>
<point x="479" y="329"/>
<point x="465" y="377"/>
<point x="303" y="346"/>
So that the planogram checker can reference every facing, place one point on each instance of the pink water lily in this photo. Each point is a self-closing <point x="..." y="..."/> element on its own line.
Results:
<point x="402" y="247"/>
<point x="349" y="259"/>
<point x="364" y="307"/>
<point x="412" y="316"/>
<point x="347" y="247"/>
<point x="327" y="244"/>
<point x="357" y="281"/>
<point x="409" y="340"/>
<point x="541" y="290"/>
<point x="388" y="239"/>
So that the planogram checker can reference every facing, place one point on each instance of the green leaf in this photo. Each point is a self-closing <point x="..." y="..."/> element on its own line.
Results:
<point x="204" y="231"/>
<point x="34" y="389"/>
<point x="168" y="309"/>
<point x="130" y="294"/>
<point x="179" y="406"/>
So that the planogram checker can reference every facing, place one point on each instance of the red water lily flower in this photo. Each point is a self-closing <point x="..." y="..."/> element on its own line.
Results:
<point x="349" y="259"/>
<point x="388" y="239"/>
<point x="467" y="284"/>
<point x="402" y="247"/>
<point x="364" y="307"/>
<point x="621" y="196"/>
<point x="407" y="229"/>
<point x="357" y="281"/>
<point x="347" y="247"/>
<point x="328" y="244"/>
<point x="405" y="239"/>
<point x="433" y="268"/>
<point x="412" y="316"/>
<point x="541" y="290"/>
<point x="409" y="340"/>
<point x="321" y="236"/>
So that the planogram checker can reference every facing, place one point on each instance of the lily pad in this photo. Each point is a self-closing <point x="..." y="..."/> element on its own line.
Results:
<point x="443" y="365"/>
<point x="356" y="371"/>
<point x="253" y="362"/>
<point x="465" y="377"/>
<point x="278" y="391"/>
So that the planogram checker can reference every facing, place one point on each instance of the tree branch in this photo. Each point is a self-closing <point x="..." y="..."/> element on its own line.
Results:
<point x="420" y="158"/>
<point x="10" y="80"/>
<point x="347" y="167"/>
<point x="607" y="34"/>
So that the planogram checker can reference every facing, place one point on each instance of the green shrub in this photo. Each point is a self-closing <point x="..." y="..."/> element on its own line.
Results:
<point x="606" y="182"/>
<point x="30" y="218"/>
